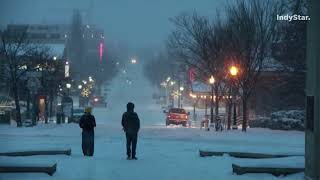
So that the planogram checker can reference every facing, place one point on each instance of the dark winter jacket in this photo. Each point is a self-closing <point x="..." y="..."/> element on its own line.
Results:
<point x="130" y="122"/>
<point x="87" y="122"/>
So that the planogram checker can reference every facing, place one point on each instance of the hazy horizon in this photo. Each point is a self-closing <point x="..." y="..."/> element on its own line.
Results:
<point x="139" y="23"/>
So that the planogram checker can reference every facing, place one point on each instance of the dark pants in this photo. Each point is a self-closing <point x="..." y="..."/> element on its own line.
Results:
<point x="132" y="139"/>
<point x="88" y="143"/>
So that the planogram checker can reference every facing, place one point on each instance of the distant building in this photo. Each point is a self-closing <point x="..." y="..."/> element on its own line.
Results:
<point x="59" y="34"/>
<point x="36" y="33"/>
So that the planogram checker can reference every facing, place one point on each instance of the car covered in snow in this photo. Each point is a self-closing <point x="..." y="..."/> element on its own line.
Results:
<point x="177" y="116"/>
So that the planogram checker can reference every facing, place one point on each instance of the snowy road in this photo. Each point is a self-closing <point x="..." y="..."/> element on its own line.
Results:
<point x="164" y="153"/>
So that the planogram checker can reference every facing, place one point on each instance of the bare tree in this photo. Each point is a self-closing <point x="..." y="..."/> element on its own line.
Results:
<point x="251" y="27"/>
<point x="17" y="55"/>
<point x="157" y="70"/>
<point x="194" y="43"/>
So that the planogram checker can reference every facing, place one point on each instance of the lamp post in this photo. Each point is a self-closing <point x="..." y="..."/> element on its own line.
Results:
<point x="167" y="94"/>
<point x="172" y="83"/>
<point x="194" y="97"/>
<point x="180" y="96"/>
<point x="211" y="81"/>
<point x="68" y="85"/>
<point x="234" y="72"/>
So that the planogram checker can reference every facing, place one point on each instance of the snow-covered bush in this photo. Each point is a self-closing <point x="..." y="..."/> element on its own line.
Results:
<point x="281" y="120"/>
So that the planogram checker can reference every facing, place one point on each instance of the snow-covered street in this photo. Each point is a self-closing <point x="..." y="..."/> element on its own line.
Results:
<point x="164" y="153"/>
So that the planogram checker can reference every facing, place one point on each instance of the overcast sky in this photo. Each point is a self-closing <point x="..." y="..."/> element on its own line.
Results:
<point x="139" y="23"/>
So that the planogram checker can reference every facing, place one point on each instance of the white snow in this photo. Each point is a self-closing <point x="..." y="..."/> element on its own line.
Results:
<point x="164" y="153"/>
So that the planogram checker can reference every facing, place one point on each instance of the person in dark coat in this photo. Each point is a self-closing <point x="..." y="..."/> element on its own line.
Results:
<point x="131" y="125"/>
<point x="87" y="123"/>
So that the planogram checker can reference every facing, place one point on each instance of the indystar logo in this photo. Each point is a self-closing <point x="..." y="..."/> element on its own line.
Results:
<point x="294" y="17"/>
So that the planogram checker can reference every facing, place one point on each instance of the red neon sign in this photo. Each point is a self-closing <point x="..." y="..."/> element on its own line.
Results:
<point x="101" y="51"/>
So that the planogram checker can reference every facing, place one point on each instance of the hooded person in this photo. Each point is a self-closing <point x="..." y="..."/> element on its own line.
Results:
<point x="87" y="123"/>
<point x="131" y="125"/>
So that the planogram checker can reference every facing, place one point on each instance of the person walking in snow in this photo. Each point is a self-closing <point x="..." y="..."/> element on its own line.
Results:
<point x="87" y="123"/>
<point x="131" y="125"/>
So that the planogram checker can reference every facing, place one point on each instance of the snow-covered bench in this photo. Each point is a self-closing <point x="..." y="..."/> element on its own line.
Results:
<point x="28" y="168"/>
<point x="246" y="154"/>
<point x="276" y="171"/>
<point x="37" y="152"/>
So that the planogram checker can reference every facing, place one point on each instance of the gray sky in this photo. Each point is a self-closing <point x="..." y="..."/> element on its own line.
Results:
<point x="139" y="23"/>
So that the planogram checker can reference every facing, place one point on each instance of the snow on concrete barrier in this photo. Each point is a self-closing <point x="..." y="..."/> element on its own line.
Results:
<point x="33" y="153"/>
<point x="276" y="171"/>
<point x="50" y="170"/>
<point x="245" y="154"/>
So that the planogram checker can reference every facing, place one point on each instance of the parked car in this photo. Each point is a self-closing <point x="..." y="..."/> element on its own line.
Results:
<point x="77" y="113"/>
<point x="177" y="116"/>
<point x="98" y="101"/>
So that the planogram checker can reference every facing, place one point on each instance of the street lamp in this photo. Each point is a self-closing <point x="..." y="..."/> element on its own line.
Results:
<point x="181" y="88"/>
<point x="90" y="79"/>
<point x="234" y="72"/>
<point x="68" y="85"/>
<point x="211" y="81"/>
<point x="54" y="58"/>
<point x="194" y="97"/>
<point x="80" y="86"/>
<point x="133" y="61"/>
<point x="67" y="69"/>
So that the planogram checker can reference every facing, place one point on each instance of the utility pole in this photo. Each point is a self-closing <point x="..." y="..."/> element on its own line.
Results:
<point x="312" y="123"/>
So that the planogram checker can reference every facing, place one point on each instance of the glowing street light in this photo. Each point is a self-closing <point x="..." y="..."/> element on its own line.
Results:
<point x="66" y="69"/>
<point x="54" y="58"/>
<point x="84" y="82"/>
<point x="90" y="79"/>
<point x="233" y="70"/>
<point x="80" y="86"/>
<point x="168" y="79"/>
<point x="181" y="88"/>
<point x="211" y="81"/>
<point x="68" y="85"/>
<point x="133" y="61"/>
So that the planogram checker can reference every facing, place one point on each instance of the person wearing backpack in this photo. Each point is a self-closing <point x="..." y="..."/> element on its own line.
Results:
<point x="87" y="123"/>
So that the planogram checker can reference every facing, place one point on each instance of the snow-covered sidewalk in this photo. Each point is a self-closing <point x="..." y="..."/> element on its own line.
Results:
<point x="164" y="153"/>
